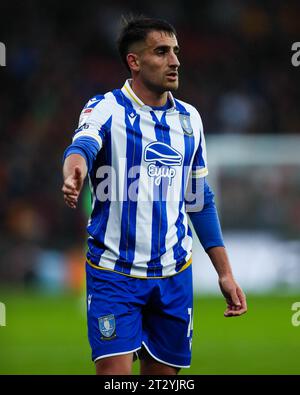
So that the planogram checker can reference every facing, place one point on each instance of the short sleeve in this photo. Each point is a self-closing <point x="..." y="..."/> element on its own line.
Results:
<point x="93" y="119"/>
<point x="194" y="196"/>
<point x="199" y="166"/>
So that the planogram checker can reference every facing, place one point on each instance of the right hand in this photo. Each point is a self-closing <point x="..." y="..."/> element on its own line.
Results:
<point x="72" y="187"/>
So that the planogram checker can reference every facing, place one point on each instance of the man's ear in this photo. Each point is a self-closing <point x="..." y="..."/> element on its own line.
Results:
<point x="133" y="61"/>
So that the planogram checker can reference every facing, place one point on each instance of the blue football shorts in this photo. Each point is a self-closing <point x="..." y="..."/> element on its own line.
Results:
<point x="127" y="313"/>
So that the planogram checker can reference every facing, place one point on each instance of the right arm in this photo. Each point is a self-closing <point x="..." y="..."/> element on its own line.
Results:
<point x="79" y="158"/>
<point x="74" y="173"/>
<point x="80" y="155"/>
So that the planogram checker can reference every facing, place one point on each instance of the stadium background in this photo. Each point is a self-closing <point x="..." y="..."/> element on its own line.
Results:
<point x="236" y="69"/>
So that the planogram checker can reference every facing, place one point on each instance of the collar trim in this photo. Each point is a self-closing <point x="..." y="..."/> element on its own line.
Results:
<point x="127" y="90"/>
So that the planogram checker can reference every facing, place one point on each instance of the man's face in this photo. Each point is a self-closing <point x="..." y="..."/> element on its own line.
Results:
<point x="158" y="62"/>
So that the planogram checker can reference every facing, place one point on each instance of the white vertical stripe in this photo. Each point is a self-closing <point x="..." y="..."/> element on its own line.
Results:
<point x="93" y="198"/>
<point x="187" y="242"/>
<point x="177" y="141"/>
<point x="173" y="196"/>
<point x="196" y="122"/>
<point x="203" y="145"/>
<point x="118" y="154"/>
<point x="198" y="133"/>
<point x="145" y="201"/>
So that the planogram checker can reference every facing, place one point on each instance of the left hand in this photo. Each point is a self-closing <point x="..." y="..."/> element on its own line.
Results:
<point x="234" y="296"/>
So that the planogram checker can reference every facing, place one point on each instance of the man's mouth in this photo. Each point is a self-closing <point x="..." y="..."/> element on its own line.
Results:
<point x="172" y="76"/>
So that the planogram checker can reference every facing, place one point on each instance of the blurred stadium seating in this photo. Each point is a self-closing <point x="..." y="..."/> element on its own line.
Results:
<point x="236" y="69"/>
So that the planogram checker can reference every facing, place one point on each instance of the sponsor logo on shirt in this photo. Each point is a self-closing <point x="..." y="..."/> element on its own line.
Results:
<point x="162" y="157"/>
<point x="84" y="126"/>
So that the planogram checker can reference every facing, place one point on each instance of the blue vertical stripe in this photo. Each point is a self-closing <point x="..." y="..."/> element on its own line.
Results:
<point x="189" y="145"/>
<point x="129" y="207"/>
<point x="198" y="159"/>
<point x="159" y="209"/>
<point x="99" y="216"/>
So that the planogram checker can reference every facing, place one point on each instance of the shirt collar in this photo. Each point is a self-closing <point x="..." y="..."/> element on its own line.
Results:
<point x="137" y="102"/>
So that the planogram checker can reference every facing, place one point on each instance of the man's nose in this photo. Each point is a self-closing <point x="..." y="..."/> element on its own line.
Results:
<point x="174" y="62"/>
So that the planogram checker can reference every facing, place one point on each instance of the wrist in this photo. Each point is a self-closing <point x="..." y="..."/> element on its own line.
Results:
<point x="225" y="277"/>
<point x="72" y="161"/>
<point x="221" y="263"/>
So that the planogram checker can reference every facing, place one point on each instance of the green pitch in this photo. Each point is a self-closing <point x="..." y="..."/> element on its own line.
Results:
<point x="47" y="335"/>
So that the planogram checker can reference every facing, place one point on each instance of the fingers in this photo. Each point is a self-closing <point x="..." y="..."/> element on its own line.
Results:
<point x="70" y="193"/>
<point x="69" y="187"/>
<point x="237" y="305"/>
<point x="243" y="300"/>
<point x="70" y="201"/>
<point x="70" y="198"/>
<point x="235" y="299"/>
<point x="233" y="311"/>
<point x="71" y="182"/>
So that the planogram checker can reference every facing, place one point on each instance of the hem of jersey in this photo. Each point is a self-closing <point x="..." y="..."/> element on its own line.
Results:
<point x="162" y="361"/>
<point x="115" y="354"/>
<point x="185" y="266"/>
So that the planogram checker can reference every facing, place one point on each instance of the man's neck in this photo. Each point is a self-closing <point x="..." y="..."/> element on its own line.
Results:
<point x="148" y="97"/>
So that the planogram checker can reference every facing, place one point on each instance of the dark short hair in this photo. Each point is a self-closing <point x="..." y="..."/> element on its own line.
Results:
<point x="136" y="29"/>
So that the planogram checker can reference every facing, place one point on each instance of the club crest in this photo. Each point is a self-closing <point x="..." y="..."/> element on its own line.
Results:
<point x="185" y="123"/>
<point x="107" y="327"/>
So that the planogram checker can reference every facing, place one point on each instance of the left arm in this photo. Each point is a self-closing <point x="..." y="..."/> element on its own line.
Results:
<point x="207" y="227"/>
<point x="233" y="294"/>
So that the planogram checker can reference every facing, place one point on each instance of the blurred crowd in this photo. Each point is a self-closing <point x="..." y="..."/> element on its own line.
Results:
<point x="235" y="68"/>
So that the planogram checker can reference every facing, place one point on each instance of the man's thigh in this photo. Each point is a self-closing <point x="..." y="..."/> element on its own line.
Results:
<point x="113" y="314"/>
<point x="167" y="321"/>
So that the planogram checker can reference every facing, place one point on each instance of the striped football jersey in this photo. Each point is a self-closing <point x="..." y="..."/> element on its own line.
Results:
<point x="143" y="181"/>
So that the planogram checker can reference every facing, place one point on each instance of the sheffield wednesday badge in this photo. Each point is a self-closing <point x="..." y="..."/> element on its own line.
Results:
<point x="107" y="327"/>
<point x="186" y="124"/>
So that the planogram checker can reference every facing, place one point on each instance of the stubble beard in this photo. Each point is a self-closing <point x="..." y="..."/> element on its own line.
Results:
<point x="163" y="87"/>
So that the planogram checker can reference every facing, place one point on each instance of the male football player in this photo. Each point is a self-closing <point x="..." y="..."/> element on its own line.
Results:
<point x="145" y="157"/>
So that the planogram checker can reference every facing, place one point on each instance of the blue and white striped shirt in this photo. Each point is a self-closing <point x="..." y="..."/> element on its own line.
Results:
<point x="140" y="160"/>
